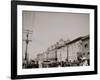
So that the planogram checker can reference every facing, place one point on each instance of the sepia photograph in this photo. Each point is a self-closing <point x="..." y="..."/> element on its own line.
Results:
<point x="55" y="39"/>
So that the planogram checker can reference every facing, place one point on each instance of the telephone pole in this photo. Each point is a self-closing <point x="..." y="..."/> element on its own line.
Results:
<point x="27" y="42"/>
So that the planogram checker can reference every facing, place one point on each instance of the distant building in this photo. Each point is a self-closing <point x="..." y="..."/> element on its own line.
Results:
<point x="66" y="50"/>
<point x="41" y="57"/>
<point x="52" y="55"/>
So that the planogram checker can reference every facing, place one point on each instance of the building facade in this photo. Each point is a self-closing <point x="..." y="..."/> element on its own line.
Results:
<point x="64" y="51"/>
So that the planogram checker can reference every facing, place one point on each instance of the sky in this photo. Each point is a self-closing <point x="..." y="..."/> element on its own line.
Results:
<point x="49" y="27"/>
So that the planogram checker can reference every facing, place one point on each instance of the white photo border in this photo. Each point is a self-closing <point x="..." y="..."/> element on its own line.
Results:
<point x="21" y="71"/>
<point x="16" y="39"/>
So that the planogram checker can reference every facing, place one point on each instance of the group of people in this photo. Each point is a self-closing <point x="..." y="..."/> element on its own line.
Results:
<point x="82" y="60"/>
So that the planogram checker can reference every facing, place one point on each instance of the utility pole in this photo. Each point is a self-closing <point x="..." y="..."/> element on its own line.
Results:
<point x="27" y="42"/>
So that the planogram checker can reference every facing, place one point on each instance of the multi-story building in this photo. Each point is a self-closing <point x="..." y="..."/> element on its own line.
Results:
<point x="74" y="47"/>
<point x="71" y="49"/>
<point x="67" y="50"/>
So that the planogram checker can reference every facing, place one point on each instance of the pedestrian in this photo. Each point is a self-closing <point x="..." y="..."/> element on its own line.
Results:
<point x="84" y="62"/>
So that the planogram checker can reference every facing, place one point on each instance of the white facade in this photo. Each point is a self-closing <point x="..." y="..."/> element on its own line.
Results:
<point x="73" y="49"/>
<point x="62" y="54"/>
<point x="67" y="50"/>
